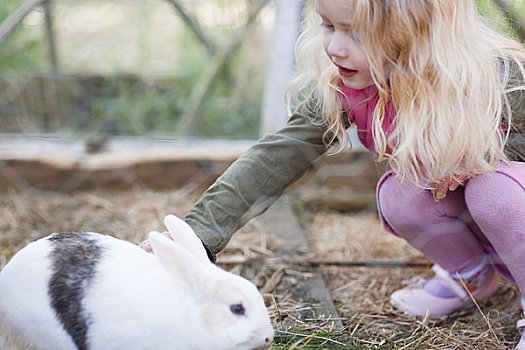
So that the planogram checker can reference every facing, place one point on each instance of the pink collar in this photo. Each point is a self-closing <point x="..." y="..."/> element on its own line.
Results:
<point x="359" y="106"/>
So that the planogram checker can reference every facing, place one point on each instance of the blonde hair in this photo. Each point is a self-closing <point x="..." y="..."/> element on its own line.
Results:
<point x="447" y="74"/>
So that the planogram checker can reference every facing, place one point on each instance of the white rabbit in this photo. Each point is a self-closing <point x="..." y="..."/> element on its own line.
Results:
<point x="91" y="291"/>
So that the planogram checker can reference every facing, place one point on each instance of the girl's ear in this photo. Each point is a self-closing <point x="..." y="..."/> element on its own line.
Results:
<point x="177" y="260"/>
<point x="184" y="235"/>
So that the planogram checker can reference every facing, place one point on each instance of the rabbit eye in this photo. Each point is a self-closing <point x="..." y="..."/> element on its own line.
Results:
<point x="237" y="309"/>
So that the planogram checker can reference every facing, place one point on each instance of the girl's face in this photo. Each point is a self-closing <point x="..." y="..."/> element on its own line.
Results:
<point x="340" y="44"/>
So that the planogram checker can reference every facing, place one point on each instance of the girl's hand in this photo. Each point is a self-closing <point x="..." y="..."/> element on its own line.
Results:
<point x="440" y="190"/>
<point x="147" y="246"/>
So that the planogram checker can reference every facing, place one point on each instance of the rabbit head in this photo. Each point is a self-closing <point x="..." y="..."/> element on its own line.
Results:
<point x="231" y="309"/>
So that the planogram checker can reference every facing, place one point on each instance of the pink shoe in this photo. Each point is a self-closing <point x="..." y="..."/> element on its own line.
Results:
<point x="416" y="301"/>
<point x="521" y="326"/>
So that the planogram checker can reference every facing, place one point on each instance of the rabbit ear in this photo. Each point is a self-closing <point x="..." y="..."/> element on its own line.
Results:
<point x="184" y="235"/>
<point x="177" y="259"/>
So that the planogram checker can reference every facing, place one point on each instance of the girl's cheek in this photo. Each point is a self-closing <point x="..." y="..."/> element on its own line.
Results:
<point x="326" y="43"/>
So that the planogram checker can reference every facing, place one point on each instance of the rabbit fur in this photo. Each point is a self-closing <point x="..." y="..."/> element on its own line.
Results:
<point x="92" y="291"/>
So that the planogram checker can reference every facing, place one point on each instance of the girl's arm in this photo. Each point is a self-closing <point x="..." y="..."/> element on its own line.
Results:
<point x="255" y="180"/>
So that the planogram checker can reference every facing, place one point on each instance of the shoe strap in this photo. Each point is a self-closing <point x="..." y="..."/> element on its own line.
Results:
<point x="445" y="278"/>
<point x="521" y="323"/>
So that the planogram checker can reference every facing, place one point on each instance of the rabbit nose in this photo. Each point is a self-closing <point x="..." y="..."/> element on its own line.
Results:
<point x="269" y="339"/>
<point x="267" y="343"/>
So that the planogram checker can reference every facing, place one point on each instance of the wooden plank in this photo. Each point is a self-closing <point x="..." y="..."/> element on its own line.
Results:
<point x="116" y="153"/>
<point x="52" y="163"/>
<point x="281" y="65"/>
<point x="304" y="283"/>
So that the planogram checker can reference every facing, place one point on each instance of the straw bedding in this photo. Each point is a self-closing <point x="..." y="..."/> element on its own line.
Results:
<point x="360" y="293"/>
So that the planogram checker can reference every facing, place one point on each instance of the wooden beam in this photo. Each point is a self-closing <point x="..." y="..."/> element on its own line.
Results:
<point x="325" y="262"/>
<point x="281" y="65"/>
<point x="52" y="98"/>
<point x="202" y="87"/>
<point x="194" y="27"/>
<point x="11" y="22"/>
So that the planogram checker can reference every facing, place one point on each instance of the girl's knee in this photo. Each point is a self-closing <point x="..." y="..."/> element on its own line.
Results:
<point x="400" y="201"/>
<point x="492" y="196"/>
<point x="409" y="208"/>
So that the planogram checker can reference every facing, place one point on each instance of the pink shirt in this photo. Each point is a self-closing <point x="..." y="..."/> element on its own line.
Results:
<point x="359" y="105"/>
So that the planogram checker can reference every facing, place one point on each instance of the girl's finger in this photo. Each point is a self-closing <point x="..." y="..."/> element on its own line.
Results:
<point x="454" y="185"/>
<point x="457" y="181"/>
<point x="440" y="191"/>
<point x="146" y="246"/>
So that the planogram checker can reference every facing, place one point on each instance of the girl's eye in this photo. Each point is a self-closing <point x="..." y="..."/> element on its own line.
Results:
<point x="327" y="25"/>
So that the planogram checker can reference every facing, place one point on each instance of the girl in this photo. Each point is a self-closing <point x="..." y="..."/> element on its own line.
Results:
<point x="438" y="95"/>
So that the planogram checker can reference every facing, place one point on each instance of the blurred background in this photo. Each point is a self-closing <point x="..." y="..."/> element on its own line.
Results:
<point x="130" y="67"/>
<point x="156" y="68"/>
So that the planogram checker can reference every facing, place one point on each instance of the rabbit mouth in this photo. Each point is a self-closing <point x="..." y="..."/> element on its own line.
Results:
<point x="264" y="342"/>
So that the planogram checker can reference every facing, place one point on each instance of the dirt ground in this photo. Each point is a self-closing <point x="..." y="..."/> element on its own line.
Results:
<point x="359" y="293"/>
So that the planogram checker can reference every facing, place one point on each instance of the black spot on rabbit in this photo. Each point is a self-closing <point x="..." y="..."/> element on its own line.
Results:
<point x="74" y="259"/>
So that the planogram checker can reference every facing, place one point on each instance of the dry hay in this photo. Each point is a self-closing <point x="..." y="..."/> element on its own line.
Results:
<point x="360" y="293"/>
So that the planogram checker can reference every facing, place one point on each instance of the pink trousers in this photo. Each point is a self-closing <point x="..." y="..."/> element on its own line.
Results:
<point x="486" y="216"/>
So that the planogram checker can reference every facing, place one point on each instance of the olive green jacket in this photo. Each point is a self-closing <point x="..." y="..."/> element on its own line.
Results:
<point x="254" y="181"/>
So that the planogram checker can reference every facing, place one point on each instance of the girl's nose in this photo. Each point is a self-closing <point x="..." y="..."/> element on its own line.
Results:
<point x="337" y="47"/>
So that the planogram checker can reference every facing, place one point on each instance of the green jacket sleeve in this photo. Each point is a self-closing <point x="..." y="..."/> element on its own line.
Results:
<point x="515" y="145"/>
<point x="255" y="180"/>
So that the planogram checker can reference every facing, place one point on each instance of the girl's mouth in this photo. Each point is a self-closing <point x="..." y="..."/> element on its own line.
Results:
<point x="347" y="73"/>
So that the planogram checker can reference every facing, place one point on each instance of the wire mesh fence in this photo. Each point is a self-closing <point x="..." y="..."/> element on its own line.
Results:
<point x="191" y="68"/>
